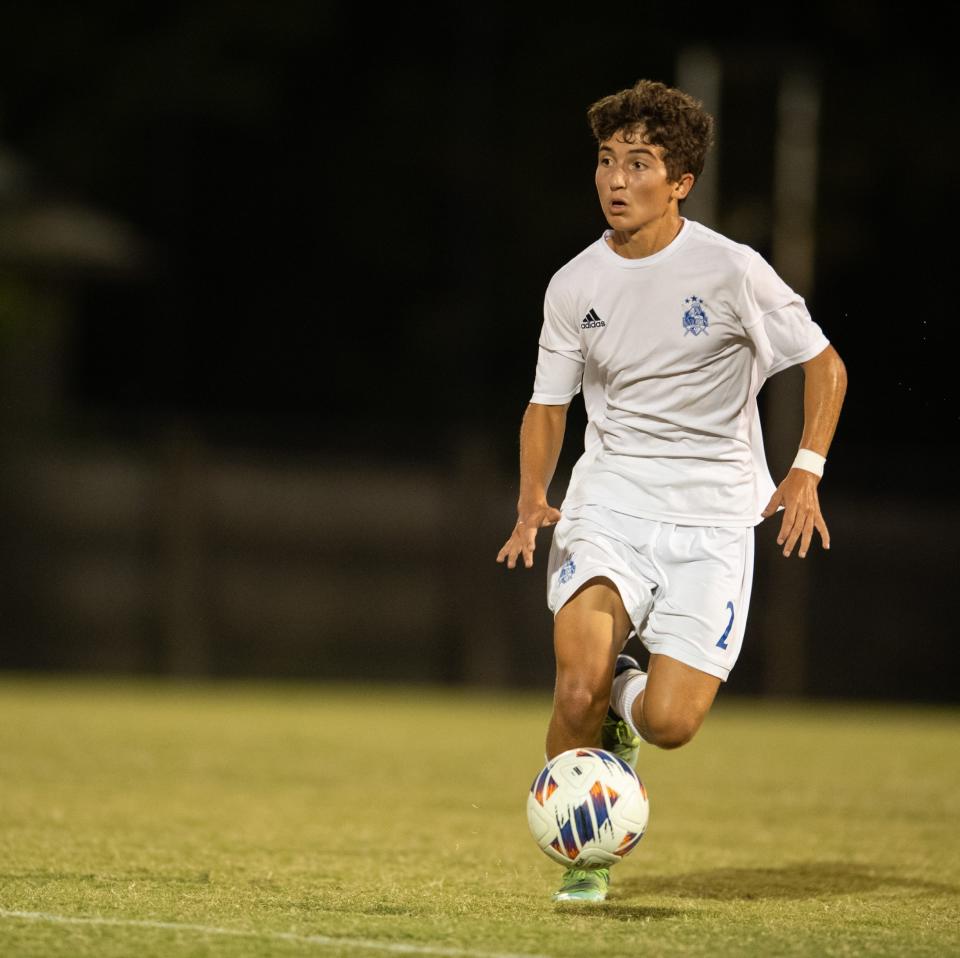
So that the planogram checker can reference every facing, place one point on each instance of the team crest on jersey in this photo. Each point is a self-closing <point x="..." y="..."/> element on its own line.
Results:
<point x="695" y="319"/>
<point x="567" y="570"/>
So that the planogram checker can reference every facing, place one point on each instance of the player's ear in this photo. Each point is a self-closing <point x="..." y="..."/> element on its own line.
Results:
<point x="683" y="186"/>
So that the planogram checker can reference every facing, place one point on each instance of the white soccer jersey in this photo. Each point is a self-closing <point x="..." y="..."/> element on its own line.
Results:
<point x="671" y="350"/>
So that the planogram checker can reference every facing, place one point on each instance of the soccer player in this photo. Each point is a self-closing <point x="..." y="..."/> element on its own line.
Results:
<point x="670" y="329"/>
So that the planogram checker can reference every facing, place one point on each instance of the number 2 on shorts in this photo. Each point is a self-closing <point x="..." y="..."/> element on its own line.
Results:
<point x="723" y="638"/>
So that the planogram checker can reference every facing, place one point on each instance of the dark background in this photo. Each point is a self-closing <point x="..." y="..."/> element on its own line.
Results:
<point x="324" y="236"/>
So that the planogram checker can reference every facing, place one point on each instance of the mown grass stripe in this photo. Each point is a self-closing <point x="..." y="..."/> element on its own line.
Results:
<point x="322" y="941"/>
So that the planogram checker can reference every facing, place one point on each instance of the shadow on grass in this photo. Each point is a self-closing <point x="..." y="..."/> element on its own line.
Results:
<point x="806" y="880"/>
<point x="613" y="910"/>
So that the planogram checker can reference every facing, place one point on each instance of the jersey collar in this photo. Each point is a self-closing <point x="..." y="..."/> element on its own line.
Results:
<point x="644" y="261"/>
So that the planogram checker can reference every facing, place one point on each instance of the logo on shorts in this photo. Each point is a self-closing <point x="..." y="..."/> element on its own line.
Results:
<point x="694" y="318"/>
<point x="567" y="570"/>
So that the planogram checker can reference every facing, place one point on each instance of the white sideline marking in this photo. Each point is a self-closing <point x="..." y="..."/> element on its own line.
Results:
<point x="324" y="941"/>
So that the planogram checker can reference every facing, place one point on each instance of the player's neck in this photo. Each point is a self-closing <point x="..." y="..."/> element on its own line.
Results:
<point x="647" y="240"/>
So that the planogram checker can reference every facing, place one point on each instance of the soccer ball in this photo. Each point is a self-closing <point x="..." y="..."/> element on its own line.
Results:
<point x="587" y="808"/>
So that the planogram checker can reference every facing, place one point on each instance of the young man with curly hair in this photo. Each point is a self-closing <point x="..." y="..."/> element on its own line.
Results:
<point x="670" y="329"/>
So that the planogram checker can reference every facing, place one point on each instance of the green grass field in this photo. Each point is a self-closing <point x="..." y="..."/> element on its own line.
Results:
<point x="151" y="819"/>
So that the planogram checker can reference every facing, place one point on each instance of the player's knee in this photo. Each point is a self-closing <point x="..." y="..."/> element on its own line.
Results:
<point x="670" y="731"/>
<point x="581" y="706"/>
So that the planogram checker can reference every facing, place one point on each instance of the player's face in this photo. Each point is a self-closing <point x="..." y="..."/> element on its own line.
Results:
<point x="633" y="185"/>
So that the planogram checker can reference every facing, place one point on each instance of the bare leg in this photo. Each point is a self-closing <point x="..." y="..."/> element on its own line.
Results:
<point x="672" y="707"/>
<point x="589" y="632"/>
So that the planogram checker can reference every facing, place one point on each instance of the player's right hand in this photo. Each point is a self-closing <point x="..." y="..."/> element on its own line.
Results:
<point x="523" y="539"/>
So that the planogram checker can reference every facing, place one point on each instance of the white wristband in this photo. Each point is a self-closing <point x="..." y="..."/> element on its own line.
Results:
<point x="809" y="460"/>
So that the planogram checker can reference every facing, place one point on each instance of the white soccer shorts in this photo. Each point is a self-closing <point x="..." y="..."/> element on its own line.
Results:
<point x="685" y="588"/>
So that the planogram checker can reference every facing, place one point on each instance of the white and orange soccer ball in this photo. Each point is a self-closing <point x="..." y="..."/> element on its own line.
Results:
<point x="587" y="808"/>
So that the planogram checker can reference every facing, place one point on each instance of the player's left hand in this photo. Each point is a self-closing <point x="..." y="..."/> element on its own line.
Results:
<point x="801" y="511"/>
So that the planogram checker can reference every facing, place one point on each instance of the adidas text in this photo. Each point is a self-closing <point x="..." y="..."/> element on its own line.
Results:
<point x="592" y="321"/>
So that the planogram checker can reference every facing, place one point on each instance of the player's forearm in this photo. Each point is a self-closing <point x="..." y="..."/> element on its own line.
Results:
<point x="541" y="439"/>
<point x="825" y="385"/>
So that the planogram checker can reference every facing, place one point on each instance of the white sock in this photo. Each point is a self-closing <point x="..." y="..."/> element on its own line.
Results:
<point x="626" y="687"/>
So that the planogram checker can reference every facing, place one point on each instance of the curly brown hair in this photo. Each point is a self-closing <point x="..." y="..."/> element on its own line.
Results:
<point x="666" y="117"/>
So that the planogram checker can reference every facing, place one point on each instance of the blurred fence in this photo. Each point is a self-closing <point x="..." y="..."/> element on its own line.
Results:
<point x="183" y="559"/>
<point x="187" y="561"/>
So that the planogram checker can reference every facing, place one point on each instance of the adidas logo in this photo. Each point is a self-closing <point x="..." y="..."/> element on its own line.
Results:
<point x="592" y="320"/>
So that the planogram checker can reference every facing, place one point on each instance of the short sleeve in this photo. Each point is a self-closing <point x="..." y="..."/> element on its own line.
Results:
<point x="561" y="327"/>
<point x="560" y="360"/>
<point x="777" y="320"/>
<point x="559" y="375"/>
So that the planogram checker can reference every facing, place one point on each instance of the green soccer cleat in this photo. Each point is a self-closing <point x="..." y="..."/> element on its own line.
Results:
<point x="583" y="884"/>
<point x="615" y="734"/>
